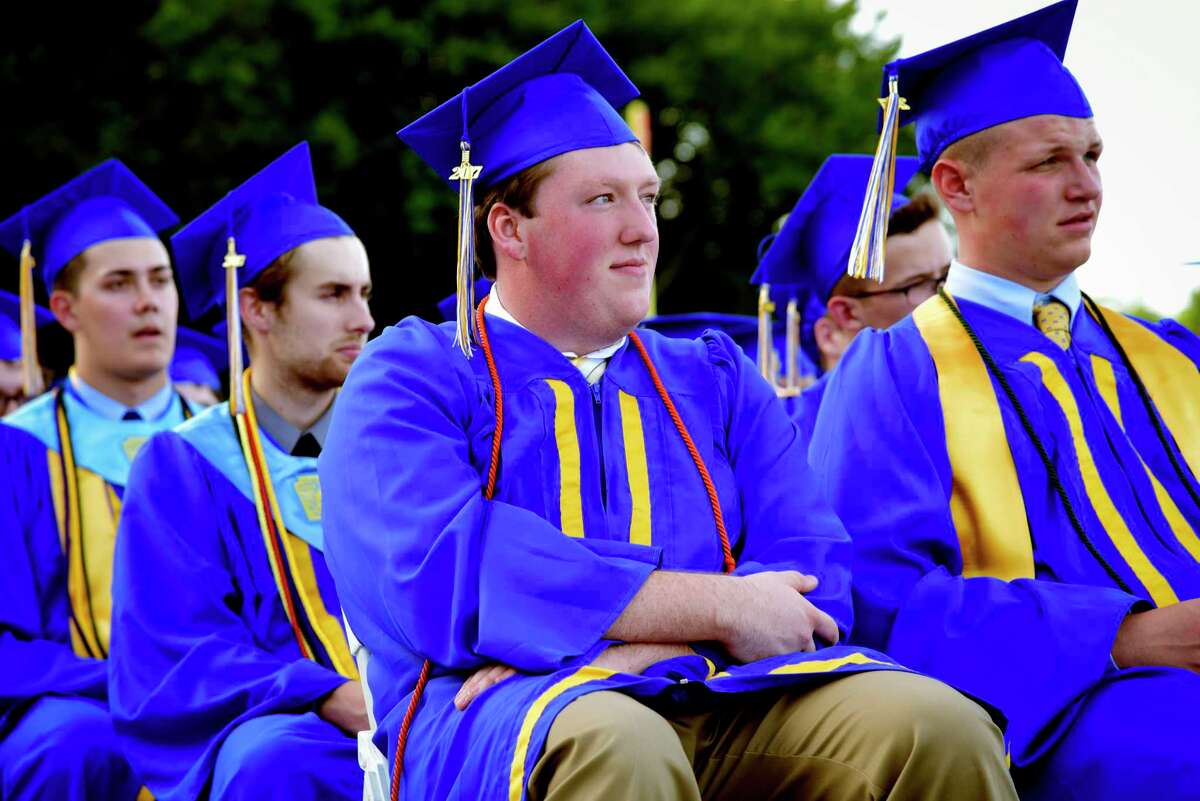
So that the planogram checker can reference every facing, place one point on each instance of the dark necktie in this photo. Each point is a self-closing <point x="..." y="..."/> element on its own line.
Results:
<point x="131" y="415"/>
<point x="307" y="445"/>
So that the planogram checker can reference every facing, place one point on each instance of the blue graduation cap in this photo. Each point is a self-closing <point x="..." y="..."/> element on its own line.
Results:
<point x="271" y="213"/>
<point x="106" y="202"/>
<point x="10" y="325"/>
<point x="447" y="305"/>
<point x="1009" y="72"/>
<point x="558" y="97"/>
<point x="809" y="254"/>
<point x="274" y="211"/>
<point x="198" y="358"/>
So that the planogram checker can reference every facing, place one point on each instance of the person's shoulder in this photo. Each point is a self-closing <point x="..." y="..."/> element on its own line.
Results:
<point x="35" y="419"/>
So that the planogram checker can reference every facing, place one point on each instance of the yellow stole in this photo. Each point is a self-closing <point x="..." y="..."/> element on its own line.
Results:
<point x="986" y="502"/>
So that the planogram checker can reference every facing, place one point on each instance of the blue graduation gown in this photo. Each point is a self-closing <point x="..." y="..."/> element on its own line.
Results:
<point x="202" y="643"/>
<point x="804" y="407"/>
<point x="596" y="490"/>
<point x="1037" y="645"/>
<point x="38" y="656"/>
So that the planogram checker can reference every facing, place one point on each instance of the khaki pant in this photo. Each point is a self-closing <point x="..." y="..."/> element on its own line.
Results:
<point x="865" y="736"/>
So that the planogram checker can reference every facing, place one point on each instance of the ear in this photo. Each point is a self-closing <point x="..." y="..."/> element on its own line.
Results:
<point x="505" y="224"/>
<point x="844" y="312"/>
<point x="257" y="316"/>
<point x="825" y="333"/>
<point x="951" y="179"/>
<point x="62" y="303"/>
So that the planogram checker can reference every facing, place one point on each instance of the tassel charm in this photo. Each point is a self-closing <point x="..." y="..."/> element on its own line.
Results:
<point x="233" y="262"/>
<point x="867" y="252"/>
<point x="465" y="173"/>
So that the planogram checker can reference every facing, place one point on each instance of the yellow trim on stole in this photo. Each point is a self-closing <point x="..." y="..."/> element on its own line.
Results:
<point x="1114" y="525"/>
<point x="516" y="774"/>
<point x="635" y="466"/>
<point x="1171" y="378"/>
<point x="985" y="500"/>
<point x="570" y="493"/>
<point x="1106" y="382"/>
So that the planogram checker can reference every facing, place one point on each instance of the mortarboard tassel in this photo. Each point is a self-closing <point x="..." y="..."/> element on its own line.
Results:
<point x="793" y="347"/>
<point x="465" y="173"/>
<point x="867" y="252"/>
<point x="766" y="364"/>
<point x="233" y="320"/>
<point x="31" y="372"/>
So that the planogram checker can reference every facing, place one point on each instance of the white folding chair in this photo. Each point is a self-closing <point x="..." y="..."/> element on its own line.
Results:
<point x="376" y="778"/>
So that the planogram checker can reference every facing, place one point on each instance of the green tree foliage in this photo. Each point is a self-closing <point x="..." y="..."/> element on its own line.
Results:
<point x="1190" y="316"/>
<point x="747" y="99"/>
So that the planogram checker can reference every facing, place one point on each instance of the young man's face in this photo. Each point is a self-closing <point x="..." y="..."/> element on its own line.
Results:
<point x="123" y="309"/>
<point x="323" y="321"/>
<point x="1037" y="194"/>
<point x="593" y="242"/>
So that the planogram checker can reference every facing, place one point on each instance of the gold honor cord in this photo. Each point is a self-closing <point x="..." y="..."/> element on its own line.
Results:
<point x="286" y="553"/>
<point x="84" y="641"/>
<point x="867" y="252"/>
<point x="31" y="373"/>
<point x="465" y="173"/>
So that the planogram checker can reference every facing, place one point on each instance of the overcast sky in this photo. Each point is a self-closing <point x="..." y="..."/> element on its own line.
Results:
<point x="1137" y="62"/>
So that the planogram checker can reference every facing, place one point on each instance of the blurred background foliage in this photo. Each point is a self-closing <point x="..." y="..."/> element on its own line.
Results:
<point x="746" y="98"/>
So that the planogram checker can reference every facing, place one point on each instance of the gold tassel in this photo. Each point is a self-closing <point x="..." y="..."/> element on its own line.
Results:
<point x="465" y="173"/>
<point x="867" y="252"/>
<point x="31" y="371"/>
<point x="233" y="262"/>
<point x="766" y="348"/>
<point x="793" y="347"/>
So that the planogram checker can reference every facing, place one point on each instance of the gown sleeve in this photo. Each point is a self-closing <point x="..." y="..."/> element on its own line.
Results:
<point x="36" y="657"/>
<point x="787" y="524"/>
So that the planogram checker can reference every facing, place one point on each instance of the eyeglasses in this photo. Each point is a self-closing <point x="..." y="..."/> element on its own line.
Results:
<point x="914" y="294"/>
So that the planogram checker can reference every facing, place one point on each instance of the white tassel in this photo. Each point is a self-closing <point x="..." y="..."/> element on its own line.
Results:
<point x="465" y="173"/>
<point x="867" y="252"/>
<point x="233" y="262"/>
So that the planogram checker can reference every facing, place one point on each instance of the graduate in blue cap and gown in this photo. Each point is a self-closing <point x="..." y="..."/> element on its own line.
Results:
<point x="67" y="458"/>
<point x="230" y="676"/>
<point x="13" y="377"/>
<point x="536" y="516"/>
<point x="196" y="366"/>
<point x="1017" y="464"/>
<point x="810" y="253"/>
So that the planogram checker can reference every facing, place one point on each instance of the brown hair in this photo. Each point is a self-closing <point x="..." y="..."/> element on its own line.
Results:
<point x="922" y="208"/>
<point x="68" y="277"/>
<point x="269" y="285"/>
<point x="515" y="192"/>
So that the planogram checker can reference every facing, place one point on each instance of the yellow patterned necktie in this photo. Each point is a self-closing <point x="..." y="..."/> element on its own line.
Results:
<point x="1053" y="318"/>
